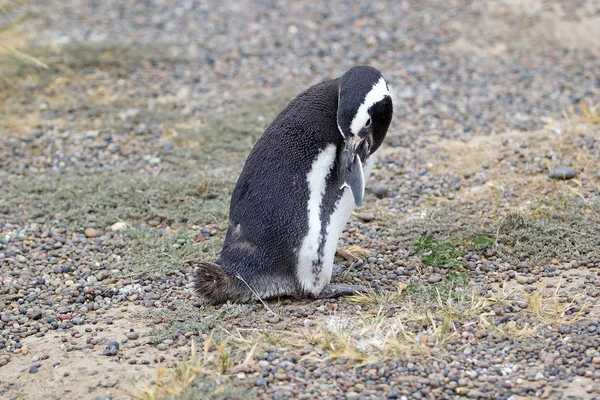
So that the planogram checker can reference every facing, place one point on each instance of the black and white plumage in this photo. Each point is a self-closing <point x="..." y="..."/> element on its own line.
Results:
<point x="298" y="189"/>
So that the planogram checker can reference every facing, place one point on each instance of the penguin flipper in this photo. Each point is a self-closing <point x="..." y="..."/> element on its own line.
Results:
<point x="336" y="290"/>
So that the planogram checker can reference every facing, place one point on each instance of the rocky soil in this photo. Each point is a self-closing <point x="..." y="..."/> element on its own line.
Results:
<point x="480" y="234"/>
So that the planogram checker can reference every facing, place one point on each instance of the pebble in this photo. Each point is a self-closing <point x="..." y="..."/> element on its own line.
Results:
<point x="132" y="335"/>
<point x="380" y="190"/>
<point x="91" y="232"/>
<point x="118" y="226"/>
<point x="366" y="216"/>
<point x="563" y="172"/>
<point x="112" y="348"/>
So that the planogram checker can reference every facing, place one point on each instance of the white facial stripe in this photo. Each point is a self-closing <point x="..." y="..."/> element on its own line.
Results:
<point x="317" y="180"/>
<point x="376" y="94"/>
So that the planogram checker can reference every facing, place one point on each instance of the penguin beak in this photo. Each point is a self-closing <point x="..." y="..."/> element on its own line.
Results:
<point x="351" y="167"/>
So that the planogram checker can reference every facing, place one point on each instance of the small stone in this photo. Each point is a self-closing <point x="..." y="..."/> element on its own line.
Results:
<point x="33" y="369"/>
<point x="20" y="258"/>
<point x="563" y="172"/>
<point x="366" y="216"/>
<point x="91" y="233"/>
<point x="118" y="226"/>
<point x="36" y="314"/>
<point x="141" y="129"/>
<point x="280" y="376"/>
<point x="380" y="191"/>
<point x="162" y="346"/>
<point x="434" y="278"/>
<point x="352" y="396"/>
<point x="521" y="279"/>
<point x="112" y="348"/>
<point x="273" y="319"/>
<point x="260" y="382"/>
<point x="132" y="335"/>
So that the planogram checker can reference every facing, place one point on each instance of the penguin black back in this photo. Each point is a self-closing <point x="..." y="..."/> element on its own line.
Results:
<point x="268" y="222"/>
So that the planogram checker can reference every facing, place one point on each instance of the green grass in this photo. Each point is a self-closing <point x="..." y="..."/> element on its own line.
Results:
<point x="437" y="254"/>
<point x="482" y="242"/>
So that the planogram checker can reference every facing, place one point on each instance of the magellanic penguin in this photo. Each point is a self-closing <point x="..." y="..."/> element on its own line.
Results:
<point x="297" y="190"/>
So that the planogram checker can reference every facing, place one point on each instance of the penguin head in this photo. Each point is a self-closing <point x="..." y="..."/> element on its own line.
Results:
<point x="363" y="117"/>
<point x="364" y="109"/>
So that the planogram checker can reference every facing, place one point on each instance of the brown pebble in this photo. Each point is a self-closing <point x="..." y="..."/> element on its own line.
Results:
<point x="280" y="376"/>
<point x="91" y="233"/>
<point x="366" y="216"/>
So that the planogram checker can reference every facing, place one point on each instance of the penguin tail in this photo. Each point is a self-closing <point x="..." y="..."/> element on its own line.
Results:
<point x="213" y="283"/>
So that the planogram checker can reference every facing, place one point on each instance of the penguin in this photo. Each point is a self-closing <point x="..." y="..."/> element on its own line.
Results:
<point x="296" y="192"/>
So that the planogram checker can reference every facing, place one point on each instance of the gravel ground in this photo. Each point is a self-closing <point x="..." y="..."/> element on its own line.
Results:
<point x="118" y="160"/>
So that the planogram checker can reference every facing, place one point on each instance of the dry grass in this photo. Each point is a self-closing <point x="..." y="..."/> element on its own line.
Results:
<point x="588" y="113"/>
<point x="199" y="375"/>
<point x="553" y="309"/>
<point x="396" y="324"/>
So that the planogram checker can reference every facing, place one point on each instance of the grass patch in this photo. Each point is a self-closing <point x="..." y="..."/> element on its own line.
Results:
<point x="187" y="318"/>
<point x="390" y="325"/>
<point x="549" y="308"/>
<point x="225" y="138"/>
<point x="570" y="231"/>
<point x="192" y="378"/>
<point x="49" y="61"/>
<point x="437" y="254"/>
<point x="157" y="254"/>
<point x="453" y="286"/>
<point x="450" y="285"/>
<point x="110" y="197"/>
<point x="482" y="242"/>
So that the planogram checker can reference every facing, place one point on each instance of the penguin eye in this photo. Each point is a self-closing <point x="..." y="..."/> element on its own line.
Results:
<point x="368" y="124"/>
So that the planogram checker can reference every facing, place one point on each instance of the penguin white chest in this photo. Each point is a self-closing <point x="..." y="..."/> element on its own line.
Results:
<point x="314" y="268"/>
<point x="310" y="270"/>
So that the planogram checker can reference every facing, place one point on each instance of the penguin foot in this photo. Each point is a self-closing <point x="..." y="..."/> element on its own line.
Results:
<point x="336" y="290"/>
